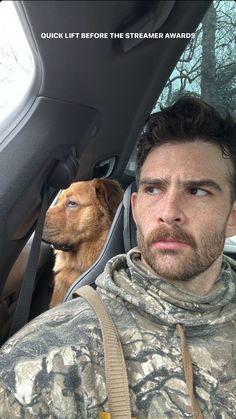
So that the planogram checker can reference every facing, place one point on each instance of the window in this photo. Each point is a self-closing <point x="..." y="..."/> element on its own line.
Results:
<point x="207" y="67"/>
<point x="16" y="60"/>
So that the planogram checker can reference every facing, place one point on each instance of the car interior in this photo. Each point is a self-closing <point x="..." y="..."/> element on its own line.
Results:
<point x="80" y="119"/>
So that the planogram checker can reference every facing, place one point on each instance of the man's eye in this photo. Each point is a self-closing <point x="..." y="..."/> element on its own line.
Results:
<point x="152" y="190"/>
<point x="198" y="192"/>
<point x="71" y="204"/>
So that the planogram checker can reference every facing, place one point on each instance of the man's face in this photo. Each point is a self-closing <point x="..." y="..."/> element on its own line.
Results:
<point x="183" y="209"/>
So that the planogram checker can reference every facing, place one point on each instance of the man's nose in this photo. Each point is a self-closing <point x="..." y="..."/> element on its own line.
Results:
<point x="172" y="211"/>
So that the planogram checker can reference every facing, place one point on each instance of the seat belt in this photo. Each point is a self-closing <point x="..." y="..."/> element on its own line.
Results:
<point x="22" y="310"/>
<point x="115" y="367"/>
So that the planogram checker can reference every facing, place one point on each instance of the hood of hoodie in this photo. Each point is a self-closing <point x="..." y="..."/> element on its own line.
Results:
<point x="126" y="278"/>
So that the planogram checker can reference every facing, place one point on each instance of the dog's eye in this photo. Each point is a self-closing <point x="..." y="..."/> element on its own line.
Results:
<point x="71" y="204"/>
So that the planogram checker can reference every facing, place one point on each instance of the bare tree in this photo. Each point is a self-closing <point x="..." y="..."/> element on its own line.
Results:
<point x="208" y="62"/>
<point x="208" y="65"/>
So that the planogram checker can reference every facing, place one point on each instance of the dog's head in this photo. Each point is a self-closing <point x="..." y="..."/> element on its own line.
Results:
<point x="82" y="213"/>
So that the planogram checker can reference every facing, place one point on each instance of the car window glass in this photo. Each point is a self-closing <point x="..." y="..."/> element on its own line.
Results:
<point x="16" y="60"/>
<point x="207" y="67"/>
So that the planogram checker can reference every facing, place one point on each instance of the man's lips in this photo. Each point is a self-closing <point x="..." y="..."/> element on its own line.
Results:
<point x="170" y="244"/>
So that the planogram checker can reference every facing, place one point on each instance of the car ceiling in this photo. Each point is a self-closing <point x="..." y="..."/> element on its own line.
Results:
<point x="90" y="95"/>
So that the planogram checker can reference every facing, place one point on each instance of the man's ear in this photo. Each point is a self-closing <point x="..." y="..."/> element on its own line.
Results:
<point x="231" y="223"/>
<point x="133" y="205"/>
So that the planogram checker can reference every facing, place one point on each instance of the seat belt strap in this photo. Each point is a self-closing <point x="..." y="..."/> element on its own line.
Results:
<point x="115" y="367"/>
<point x="22" y="310"/>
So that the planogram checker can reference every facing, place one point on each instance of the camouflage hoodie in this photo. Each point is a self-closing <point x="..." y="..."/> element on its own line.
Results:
<point x="54" y="367"/>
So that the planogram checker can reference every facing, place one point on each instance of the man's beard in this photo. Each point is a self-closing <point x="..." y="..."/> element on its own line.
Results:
<point x="176" y="264"/>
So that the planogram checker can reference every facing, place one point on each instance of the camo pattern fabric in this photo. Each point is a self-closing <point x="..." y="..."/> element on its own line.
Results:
<point x="54" y="366"/>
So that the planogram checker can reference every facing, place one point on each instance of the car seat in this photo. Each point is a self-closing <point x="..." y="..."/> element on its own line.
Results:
<point x="121" y="238"/>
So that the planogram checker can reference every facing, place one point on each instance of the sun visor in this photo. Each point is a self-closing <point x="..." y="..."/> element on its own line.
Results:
<point x="148" y="23"/>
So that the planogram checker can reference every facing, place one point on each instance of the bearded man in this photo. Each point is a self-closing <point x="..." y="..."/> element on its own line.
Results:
<point x="172" y="299"/>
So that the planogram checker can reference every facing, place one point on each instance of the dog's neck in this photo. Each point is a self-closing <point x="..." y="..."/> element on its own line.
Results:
<point x="81" y="258"/>
<point x="63" y="247"/>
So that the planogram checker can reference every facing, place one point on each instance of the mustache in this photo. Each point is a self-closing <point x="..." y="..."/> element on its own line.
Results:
<point x="175" y="233"/>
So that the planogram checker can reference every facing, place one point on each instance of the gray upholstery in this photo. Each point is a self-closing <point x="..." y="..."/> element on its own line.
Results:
<point x="121" y="238"/>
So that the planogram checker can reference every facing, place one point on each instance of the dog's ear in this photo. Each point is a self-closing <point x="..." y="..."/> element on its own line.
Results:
<point x="110" y="193"/>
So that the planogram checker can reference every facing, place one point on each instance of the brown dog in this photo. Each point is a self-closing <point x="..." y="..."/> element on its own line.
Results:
<point x="77" y="226"/>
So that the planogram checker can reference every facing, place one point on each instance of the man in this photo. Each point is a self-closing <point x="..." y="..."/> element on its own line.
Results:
<point x="172" y="299"/>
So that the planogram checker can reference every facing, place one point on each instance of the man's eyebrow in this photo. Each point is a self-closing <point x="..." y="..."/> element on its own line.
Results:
<point x="153" y="181"/>
<point x="202" y="183"/>
<point x="190" y="184"/>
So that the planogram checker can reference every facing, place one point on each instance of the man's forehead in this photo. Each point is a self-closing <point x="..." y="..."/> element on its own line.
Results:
<point x="188" y="159"/>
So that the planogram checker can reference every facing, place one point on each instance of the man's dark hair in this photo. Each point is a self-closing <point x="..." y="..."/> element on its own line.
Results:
<point x="187" y="120"/>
